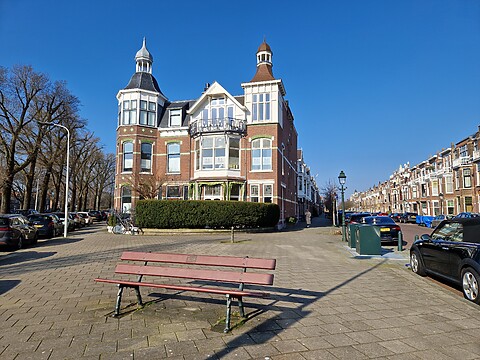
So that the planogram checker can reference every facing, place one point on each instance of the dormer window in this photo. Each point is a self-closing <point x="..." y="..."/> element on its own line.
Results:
<point x="175" y="118"/>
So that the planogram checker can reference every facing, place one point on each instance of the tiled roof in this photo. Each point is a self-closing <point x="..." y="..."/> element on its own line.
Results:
<point x="264" y="73"/>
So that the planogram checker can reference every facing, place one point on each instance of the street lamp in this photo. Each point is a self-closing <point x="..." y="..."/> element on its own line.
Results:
<point x="342" y="179"/>
<point x="65" y="222"/>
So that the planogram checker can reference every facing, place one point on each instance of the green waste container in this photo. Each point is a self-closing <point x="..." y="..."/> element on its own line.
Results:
<point x="368" y="240"/>
<point x="352" y="237"/>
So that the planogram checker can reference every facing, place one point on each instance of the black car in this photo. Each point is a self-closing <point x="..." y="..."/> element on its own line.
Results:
<point x="408" y="217"/>
<point x="48" y="225"/>
<point x="452" y="252"/>
<point x="15" y="231"/>
<point x="388" y="228"/>
<point x="357" y="217"/>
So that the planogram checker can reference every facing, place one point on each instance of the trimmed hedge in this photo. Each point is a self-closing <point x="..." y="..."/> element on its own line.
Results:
<point x="197" y="214"/>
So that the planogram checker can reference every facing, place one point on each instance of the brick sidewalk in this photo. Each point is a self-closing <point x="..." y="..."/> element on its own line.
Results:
<point x="325" y="304"/>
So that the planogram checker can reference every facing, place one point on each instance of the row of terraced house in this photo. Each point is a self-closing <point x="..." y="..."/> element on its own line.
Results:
<point x="218" y="146"/>
<point x="446" y="183"/>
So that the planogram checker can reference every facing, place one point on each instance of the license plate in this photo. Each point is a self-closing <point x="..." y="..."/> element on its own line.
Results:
<point x="384" y="229"/>
<point x="38" y="226"/>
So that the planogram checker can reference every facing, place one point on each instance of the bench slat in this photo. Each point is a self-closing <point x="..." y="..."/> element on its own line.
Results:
<point x="206" y="260"/>
<point x="198" y="274"/>
<point x="186" y="288"/>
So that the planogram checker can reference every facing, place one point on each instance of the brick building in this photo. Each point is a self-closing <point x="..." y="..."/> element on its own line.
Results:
<point x="448" y="182"/>
<point x="216" y="147"/>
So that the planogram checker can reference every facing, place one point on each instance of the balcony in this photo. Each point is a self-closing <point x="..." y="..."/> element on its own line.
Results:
<point x="464" y="160"/>
<point x="225" y="125"/>
<point x="476" y="155"/>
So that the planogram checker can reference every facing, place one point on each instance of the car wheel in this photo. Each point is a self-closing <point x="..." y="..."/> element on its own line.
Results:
<point x="416" y="263"/>
<point x="470" y="284"/>
<point x="20" y="242"/>
<point x="35" y="239"/>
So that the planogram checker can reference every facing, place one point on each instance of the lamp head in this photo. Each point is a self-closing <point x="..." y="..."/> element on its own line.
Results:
<point x="342" y="178"/>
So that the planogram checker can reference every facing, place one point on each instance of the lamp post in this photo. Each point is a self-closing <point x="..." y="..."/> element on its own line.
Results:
<point x="342" y="179"/>
<point x="65" y="222"/>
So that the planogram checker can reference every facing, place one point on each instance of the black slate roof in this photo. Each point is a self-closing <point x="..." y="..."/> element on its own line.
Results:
<point x="144" y="81"/>
<point x="183" y="105"/>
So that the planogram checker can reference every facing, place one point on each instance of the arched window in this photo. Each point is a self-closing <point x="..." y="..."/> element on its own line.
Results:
<point x="261" y="154"/>
<point x="173" y="153"/>
<point x="146" y="157"/>
<point x="127" y="156"/>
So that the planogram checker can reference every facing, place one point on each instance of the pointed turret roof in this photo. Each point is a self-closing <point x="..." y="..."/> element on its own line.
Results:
<point x="264" y="63"/>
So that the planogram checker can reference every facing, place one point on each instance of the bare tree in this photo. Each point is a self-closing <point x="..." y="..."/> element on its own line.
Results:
<point x="329" y="192"/>
<point x="148" y="186"/>
<point x="26" y="97"/>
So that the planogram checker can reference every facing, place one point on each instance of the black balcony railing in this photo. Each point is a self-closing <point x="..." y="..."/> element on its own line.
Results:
<point x="229" y="125"/>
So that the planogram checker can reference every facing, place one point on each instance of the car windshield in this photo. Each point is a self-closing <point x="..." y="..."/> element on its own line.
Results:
<point x="449" y="232"/>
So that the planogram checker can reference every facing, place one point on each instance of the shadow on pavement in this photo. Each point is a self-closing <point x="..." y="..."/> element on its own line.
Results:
<point x="7" y="285"/>
<point x="18" y="257"/>
<point x="288" y="316"/>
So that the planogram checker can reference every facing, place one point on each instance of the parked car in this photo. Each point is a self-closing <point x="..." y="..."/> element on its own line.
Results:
<point x="85" y="215"/>
<point x="396" y="216"/>
<point x="466" y="215"/>
<point x="97" y="215"/>
<point x="452" y="252"/>
<point x="47" y="225"/>
<point x="26" y="212"/>
<point x="408" y="217"/>
<point x="70" y="224"/>
<point x="357" y="217"/>
<point x="77" y="220"/>
<point x="16" y="232"/>
<point x="438" y="219"/>
<point x="388" y="228"/>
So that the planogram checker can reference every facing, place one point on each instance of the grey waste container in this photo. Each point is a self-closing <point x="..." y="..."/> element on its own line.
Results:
<point x="368" y="240"/>
<point x="352" y="238"/>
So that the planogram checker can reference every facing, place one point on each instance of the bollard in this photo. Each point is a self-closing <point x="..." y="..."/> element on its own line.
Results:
<point x="416" y="238"/>
<point x="400" y="241"/>
<point x="232" y="236"/>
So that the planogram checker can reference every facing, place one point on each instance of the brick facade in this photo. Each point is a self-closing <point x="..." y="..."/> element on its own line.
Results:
<point x="218" y="146"/>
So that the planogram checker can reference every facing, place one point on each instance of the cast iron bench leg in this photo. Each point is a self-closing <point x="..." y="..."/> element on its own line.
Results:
<point x="227" y="320"/>
<point x="139" y="296"/>
<point x="240" y="305"/>
<point x="119" y="299"/>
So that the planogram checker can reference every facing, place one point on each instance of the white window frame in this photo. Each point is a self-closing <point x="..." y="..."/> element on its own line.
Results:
<point x="146" y="157"/>
<point x="175" y="118"/>
<point x="254" y="194"/>
<point x="173" y="158"/>
<point x="261" y="107"/>
<point x="263" y="162"/>
<point x="126" y="161"/>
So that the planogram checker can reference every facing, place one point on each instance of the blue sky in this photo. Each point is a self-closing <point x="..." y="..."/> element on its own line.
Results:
<point x="372" y="84"/>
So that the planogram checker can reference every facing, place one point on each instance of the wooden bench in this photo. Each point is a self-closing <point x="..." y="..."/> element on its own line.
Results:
<point x="188" y="267"/>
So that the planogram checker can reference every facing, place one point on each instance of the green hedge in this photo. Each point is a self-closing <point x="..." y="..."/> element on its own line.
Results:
<point x="195" y="214"/>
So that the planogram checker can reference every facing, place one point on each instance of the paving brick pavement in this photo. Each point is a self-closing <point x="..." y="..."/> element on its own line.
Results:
<point x="325" y="304"/>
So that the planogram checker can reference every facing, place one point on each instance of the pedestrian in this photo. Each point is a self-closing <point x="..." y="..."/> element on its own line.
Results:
<point x="308" y="217"/>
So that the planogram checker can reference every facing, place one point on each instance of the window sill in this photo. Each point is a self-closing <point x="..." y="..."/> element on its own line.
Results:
<point x="261" y="171"/>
